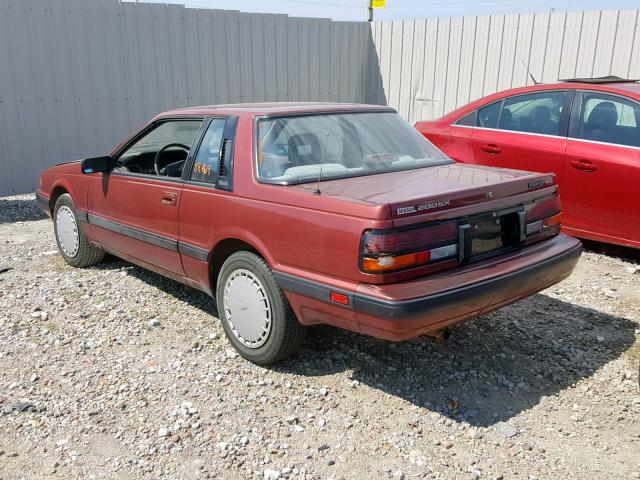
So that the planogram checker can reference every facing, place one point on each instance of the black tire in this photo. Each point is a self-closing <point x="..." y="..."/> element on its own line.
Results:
<point x="285" y="335"/>
<point x="86" y="254"/>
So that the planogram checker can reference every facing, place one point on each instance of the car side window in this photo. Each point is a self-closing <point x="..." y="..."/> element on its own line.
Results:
<point x="610" y="119"/>
<point x="488" y="116"/>
<point x="205" y="167"/>
<point x="161" y="151"/>
<point x="533" y="113"/>
<point x="469" y="120"/>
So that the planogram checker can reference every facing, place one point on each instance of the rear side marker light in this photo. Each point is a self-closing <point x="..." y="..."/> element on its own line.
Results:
<point x="340" y="298"/>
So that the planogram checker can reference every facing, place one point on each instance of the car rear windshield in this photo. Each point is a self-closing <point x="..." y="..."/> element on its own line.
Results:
<point x="301" y="149"/>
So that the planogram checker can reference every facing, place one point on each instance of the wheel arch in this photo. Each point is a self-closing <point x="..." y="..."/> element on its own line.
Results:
<point x="56" y="192"/>
<point x="223" y="250"/>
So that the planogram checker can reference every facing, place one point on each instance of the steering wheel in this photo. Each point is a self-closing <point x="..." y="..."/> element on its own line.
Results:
<point x="156" y="160"/>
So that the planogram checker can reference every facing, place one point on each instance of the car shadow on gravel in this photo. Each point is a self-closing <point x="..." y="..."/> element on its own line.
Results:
<point x="186" y="294"/>
<point x="488" y="370"/>
<point x="20" y="210"/>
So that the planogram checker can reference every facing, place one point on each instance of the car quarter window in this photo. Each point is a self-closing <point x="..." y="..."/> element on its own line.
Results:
<point x="488" y="116"/>
<point x="162" y="151"/>
<point x="469" y="120"/>
<point x="205" y="167"/>
<point x="533" y="113"/>
<point x="609" y="119"/>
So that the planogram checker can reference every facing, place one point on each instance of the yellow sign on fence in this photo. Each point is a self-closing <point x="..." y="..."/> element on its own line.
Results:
<point x="378" y="3"/>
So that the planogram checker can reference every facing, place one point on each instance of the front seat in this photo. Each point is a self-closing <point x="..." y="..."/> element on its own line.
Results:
<point x="304" y="149"/>
<point x="541" y="122"/>
<point x="601" y="122"/>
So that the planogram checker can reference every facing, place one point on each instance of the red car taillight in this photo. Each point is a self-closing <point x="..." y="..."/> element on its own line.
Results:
<point x="463" y="240"/>
<point x="386" y="251"/>
<point x="542" y="219"/>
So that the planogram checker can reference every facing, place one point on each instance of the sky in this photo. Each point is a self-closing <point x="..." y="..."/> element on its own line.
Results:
<point x="404" y="9"/>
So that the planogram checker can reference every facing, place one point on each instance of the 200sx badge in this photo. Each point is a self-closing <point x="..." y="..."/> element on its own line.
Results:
<point x="420" y="208"/>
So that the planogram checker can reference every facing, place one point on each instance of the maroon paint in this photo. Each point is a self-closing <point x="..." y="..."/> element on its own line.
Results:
<point x="314" y="237"/>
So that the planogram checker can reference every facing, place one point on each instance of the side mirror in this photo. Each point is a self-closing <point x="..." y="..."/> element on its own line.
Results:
<point x="96" y="164"/>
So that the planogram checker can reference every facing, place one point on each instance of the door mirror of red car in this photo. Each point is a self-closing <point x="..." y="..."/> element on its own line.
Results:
<point x="96" y="164"/>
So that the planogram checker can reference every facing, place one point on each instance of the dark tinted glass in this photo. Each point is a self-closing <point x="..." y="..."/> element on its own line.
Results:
<point x="533" y="113"/>
<point x="610" y="119"/>
<point x="488" y="116"/>
<point x="469" y="120"/>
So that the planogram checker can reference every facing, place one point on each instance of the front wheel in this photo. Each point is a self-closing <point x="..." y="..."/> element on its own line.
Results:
<point x="74" y="247"/>
<point x="255" y="313"/>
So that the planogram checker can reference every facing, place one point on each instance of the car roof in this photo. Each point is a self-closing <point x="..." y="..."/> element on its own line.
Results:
<point x="274" y="108"/>
<point x="627" y="88"/>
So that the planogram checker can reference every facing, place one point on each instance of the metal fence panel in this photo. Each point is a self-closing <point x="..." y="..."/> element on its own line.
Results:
<point x="462" y="59"/>
<point x="76" y="76"/>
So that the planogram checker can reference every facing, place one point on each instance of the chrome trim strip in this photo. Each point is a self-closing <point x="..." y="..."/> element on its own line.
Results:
<point x="510" y="131"/>
<point x="602" y="143"/>
<point x="549" y="136"/>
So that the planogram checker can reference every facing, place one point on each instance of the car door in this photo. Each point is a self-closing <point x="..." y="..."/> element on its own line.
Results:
<point x="603" y="168"/>
<point x="207" y="197"/>
<point x="133" y="209"/>
<point x="524" y="132"/>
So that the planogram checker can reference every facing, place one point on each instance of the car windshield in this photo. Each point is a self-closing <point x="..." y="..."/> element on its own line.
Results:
<point x="338" y="145"/>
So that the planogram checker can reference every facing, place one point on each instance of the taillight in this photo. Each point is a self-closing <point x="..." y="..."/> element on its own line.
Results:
<point x="542" y="218"/>
<point x="387" y="251"/>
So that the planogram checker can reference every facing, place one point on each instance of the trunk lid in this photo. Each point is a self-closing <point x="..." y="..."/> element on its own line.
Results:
<point x="441" y="191"/>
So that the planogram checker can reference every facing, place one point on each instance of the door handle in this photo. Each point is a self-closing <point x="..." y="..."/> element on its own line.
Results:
<point x="169" y="198"/>
<point x="490" y="148"/>
<point x="584" y="165"/>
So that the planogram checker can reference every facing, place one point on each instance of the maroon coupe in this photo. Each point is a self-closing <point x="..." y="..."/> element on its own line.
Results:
<point x="299" y="214"/>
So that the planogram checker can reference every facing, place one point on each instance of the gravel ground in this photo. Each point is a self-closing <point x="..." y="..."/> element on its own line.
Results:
<point x="115" y="372"/>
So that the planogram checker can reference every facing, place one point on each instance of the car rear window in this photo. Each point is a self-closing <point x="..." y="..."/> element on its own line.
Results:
<point x="301" y="149"/>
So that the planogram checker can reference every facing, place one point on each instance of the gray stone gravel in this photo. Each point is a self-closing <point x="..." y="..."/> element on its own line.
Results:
<point x="115" y="372"/>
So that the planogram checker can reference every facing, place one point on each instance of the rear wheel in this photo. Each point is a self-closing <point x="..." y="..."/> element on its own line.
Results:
<point x="74" y="247"/>
<point x="255" y="313"/>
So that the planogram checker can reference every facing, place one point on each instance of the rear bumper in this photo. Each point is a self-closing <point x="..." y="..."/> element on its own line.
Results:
<point x="530" y="276"/>
<point x="405" y="310"/>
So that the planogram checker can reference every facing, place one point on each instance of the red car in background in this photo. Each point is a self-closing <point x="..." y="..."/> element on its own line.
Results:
<point x="585" y="131"/>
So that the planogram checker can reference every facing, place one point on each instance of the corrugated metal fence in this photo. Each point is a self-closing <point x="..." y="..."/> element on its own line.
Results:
<point x="430" y="67"/>
<point x="78" y="75"/>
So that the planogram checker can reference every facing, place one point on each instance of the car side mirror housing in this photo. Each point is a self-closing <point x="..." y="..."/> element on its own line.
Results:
<point x="96" y="164"/>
